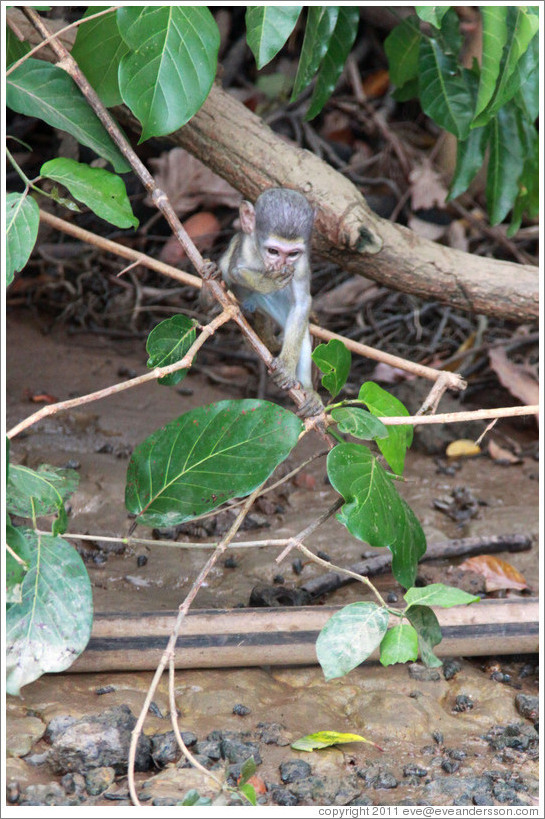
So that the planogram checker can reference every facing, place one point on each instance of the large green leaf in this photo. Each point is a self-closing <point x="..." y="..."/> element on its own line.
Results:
<point x="469" y="160"/>
<point x="402" y="47"/>
<point x="425" y="621"/>
<point x="52" y="624"/>
<point x="15" y="49"/>
<point x="527" y="70"/>
<point x="437" y="594"/>
<point x="432" y="14"/>
<point x="39" y="89"/>
<point x="168" y="343"/>
<point x="170" y="67"/>
<point x="445" y="92"/>
<point x="374" y="511"/>
<point x="203" y="458"/>
<point x="334" y="360"/>
<point x="494" y="21"/>
<point x="103" y="192"/>
<point x="359" y="423"/>
<point x="528" y="195"/>
<point x="98" y="50"/>
<point x="349" y="637"/>
<point x="338" y="49"/>
<point x="505" y="164"/>
<point x="22" y="222"/>
<point x="399" y="645"/>
<point x="16" y="571"/>
<point x="381" y="403"/>
<point x="40" y="492"/>
<point x="520" y="57"/>
<point x="321" y="22"/>
<point x="268" y="28"/>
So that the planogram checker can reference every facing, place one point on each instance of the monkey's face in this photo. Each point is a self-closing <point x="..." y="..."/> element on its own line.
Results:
<point x="279" y="253"/>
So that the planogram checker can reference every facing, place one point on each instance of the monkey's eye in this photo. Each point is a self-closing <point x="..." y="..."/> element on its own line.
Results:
<point x="272" y="251"/>
<point x="294" y="254"/>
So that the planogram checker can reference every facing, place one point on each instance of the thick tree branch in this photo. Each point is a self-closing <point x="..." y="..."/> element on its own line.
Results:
<point x="242" y="149"/>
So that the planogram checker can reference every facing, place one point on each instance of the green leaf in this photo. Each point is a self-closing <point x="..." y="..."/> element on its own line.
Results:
<point x="374" y="511"/>
<point x="432" y="14"/>
<point x="168" y="343"/>
<point x="193" y="797"/>
<point x="205" y="457"/>
<point x="349" y="637"/>
<point x="437" y="594"/>
<point x="169" y="70"/>
<point x="103" y="192"/>
<point x="381" y="403"/>
<point x="248" y="770"/>
<point x="469" y="160"/>
<point x="334" y="360"/>
<point x="22" y="222"/>
<point x="425" y="621"/>
<point x="359" y="423"/>
<point x="324" y="739"/>
<point x="15" y="572"/>
<point x="39" y="89"/>
<point x="248" y="791"/>
<point x="15" y="49"/>
<point x="320" y="25"/>
<point x="527" y="96"/>
<point x="98" y="50"/>
<point x="505" y="164"/>
<point x="494" y="21"/>
<point x="409" y="91"/>
<point x="519" y="59"/>
<point x="445" y="92"/>
<point x="52" y="625"/>
<point x="402" y="48"/>
<point x="528" y="195"/>
<point x="268" y="28"/>
<point x="40" y="492"/>
<point x="399" y="645"/>
<point x="334" y="59"/>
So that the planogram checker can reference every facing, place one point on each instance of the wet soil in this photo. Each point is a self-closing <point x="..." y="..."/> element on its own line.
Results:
<point x="409" y="712"/>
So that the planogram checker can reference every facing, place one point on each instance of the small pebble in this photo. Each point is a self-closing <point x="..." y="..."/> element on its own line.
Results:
<point x="105" y="689"/>
<point x="414" y="770"/>
<point x="294" y="769"/>
<point x="450" y="765"/>
<point x="437" y="737"/>
<point x="141" y="560"/>
<point x="278" y="578"/>
<point x="241" y="710"/>
<point x="323" y="555"/>
<point x="463" y="703"/>
<point x="99" y="779"/>
<point x="297" y="565"/>
<point x="230" y="562"/>
<point x="392" y="597"/>
<point x="281" y="796"/>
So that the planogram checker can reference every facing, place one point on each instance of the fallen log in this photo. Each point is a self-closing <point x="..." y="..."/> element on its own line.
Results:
<point x="287" y="636"/>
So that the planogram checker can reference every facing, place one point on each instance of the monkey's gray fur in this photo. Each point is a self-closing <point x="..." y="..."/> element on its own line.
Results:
<point x="289" y="211"/>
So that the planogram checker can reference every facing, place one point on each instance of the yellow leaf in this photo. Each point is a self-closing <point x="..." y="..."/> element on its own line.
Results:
<point x="463" y="448"/>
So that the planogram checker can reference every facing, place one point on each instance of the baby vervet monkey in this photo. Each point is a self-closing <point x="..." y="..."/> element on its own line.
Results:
<point x="267" y="267"/>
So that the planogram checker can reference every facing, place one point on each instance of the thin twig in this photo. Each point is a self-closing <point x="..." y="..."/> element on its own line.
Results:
<point x="308" y="530"/>
<point x="159" y="372"/>
<point x="170" y="649"/>
<point x="456" y="417"/>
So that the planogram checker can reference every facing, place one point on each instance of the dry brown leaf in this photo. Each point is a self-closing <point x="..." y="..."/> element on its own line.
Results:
<point x="202" y="228"/>
<point x="462" y="448"/>
<point x="427" y="187"/>
<point x="498" y="574"/>
<point x="189" y="184"/>
<point x="349" y="294"/>
<point x="502" y="455"/>
<point x="377" y="83"/>
<point x="513" y="377"/>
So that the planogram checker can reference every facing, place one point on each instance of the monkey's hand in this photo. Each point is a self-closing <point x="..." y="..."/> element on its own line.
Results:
<point x="281" y="276"/>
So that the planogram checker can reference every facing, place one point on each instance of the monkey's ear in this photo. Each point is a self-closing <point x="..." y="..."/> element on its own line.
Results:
<point x="247" y="216"/>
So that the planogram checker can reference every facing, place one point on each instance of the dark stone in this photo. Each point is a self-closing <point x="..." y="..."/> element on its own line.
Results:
<point x="362" y="800"/>
<point x="105" y="689"/>
<point x="313" y="789"/>
<point x="385" y="780"/>
<point x="392" y="597"/>
<point x="294" y="769"/>
<point x="234" y="750"/>
<point x="12" y="793"/>
<point x="423" y="673"/>
<point x="165" y="748"/>
<point x="527" y="706"/>
<point x="437" y="737"/>
<point x="273" y="596"/>
<point x="49" y="794"/>
<point x="241" y="710"/>
<point x="450" y="765"/>
<point x="414" y="770"/>
<point x="297" y="565"/>
<point x="273" y="733"/>
<point x="141" y="560"/>
<point x="58" y="726"/>
<point x="230" y="562"/>
<point x="463" y="703"/>
<point x="281" y="796"/>
<point x="99" y="741"/>
<point x="73" y="783"/>
<point x="451" y="668"/>
<point x="98" y="780"/>
<point x="209" y="748"/>
<point x="378" y="777"/>
<point x="457" y="753"/>
<point x="520" y="736"/>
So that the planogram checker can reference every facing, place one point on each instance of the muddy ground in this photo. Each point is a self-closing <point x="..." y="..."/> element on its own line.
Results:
<point x="465" y="734"/>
